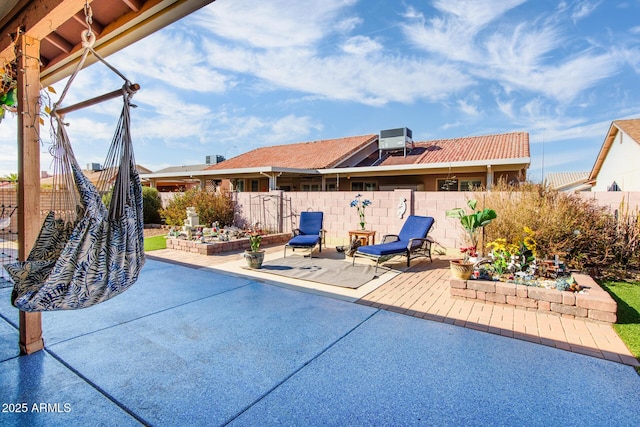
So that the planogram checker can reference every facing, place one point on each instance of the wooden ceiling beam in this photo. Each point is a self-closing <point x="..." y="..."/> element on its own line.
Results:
<point x="96" y="27"/>
<point x="134" y="5"/>
<point x="60" y="42"/>
<point x="37" y="18"/>
<point x="154" y="15"/>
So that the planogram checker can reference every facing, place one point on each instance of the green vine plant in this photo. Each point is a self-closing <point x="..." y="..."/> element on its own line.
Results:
<point x="9" y="94"/>
<point x="8" y="90"/>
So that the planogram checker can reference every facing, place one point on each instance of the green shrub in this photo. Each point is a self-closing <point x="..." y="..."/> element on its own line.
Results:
<point x="578" y="230"/>
<point x="151" y="205"/>
<point x="209" y="206"/>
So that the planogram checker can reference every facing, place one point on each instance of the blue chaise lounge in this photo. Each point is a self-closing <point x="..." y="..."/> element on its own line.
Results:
<point x="412" y="241"/>
<point x="308" y="234"/>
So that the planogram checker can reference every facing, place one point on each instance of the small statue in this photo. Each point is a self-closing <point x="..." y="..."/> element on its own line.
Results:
<point x="402" y="207"/>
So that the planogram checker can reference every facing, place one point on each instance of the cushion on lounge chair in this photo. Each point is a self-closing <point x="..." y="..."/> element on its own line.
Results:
<point x="308" y="234"/>
<point x="303" y="240"/>
<point x="411" y="241"/>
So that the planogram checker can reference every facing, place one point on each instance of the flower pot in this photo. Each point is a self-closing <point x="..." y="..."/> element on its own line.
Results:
<point x="254" y="259"/>
<point x="460" y="269"/>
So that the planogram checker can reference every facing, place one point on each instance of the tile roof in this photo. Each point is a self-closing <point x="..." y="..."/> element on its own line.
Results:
<point x="631" y="127"/>
<point x="511" y="145"/>
<point x="305" y="155"/>
<point x="186" y="168"/>
<point x="559" y="180"/>
<point x="94" y="176"/>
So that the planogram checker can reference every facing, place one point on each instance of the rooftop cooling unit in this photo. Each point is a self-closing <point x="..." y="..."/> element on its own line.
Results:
<point x="395" y="139"/>
<point x="214" y="159"/>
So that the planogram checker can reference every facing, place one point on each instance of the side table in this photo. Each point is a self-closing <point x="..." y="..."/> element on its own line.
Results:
<point x="369" y="235"/>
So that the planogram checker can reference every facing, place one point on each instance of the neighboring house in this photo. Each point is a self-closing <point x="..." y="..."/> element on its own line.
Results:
<point x="372" y="162"/>
<point x="568" y="181"/>
<point x="181" y="183"/>
<point x="96" y="175"/>
<point x="616" y="167"/>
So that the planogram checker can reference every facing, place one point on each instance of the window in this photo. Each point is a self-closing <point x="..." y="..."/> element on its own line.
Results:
<point x="310" y="187"/>
<point x="470" y="184"/>
<point x="453" y="184"/>
<point x="363" y="186"/>
<point x="255" y="185"/>
<point x="331" y="187"/>
<point x="447" y="185"/>
<point x="240" y="186"/>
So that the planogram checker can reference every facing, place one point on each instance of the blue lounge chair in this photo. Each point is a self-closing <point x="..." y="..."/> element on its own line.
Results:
<point x="411" y="242"/>
<point x="308" y="234"/>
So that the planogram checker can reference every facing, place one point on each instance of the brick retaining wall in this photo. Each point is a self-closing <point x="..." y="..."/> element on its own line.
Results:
<point x="596" y="304"/>
<point x="219" y="247"/>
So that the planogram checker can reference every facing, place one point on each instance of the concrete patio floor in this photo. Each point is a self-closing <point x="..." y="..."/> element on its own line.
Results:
<point x="197" y="345"/>
<point x="423" y="291"/>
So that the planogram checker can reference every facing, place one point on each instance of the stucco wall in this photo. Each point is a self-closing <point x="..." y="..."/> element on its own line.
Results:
<point x="620" y="165"/>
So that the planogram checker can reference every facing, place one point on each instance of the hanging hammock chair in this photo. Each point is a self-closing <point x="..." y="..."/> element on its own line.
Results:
<point x="86" y="252"/>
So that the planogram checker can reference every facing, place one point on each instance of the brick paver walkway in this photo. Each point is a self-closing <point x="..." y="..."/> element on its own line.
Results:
<point x="423" y="291"/>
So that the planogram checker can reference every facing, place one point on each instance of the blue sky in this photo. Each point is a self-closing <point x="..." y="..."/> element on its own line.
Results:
<point x="240" y="74"/>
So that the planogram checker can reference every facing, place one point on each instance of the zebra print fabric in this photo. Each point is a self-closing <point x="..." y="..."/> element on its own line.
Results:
<point x="79" y="264"/>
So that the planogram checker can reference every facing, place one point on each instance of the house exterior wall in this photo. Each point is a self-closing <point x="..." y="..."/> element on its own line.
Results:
<point x="620" y="165"/>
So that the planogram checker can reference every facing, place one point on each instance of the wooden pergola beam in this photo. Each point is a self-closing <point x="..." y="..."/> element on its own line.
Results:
<point x="30" y="334"/>
<point x="38" y="19"/>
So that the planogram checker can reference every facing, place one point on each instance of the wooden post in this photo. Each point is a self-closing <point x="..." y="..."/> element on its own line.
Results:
<point x="29" y="221"/>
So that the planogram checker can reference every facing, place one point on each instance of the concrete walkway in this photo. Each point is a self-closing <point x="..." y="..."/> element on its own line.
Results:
<point x="423" y="291"/>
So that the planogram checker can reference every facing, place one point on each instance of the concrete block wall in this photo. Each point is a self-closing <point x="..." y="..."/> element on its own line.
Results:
<point x="383" y="217"/>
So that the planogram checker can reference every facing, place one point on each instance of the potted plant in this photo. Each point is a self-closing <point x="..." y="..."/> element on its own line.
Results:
<point x="360" y="205"/>
<point x="472" y="223"/>
<point x="255" y="255"/>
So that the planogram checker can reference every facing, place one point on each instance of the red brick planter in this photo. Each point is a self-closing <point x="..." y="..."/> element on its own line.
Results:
<point x="220" y="247"/>
<point x="595" y="304"/>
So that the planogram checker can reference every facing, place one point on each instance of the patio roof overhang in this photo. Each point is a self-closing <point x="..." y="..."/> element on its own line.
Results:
<point x="57" y="24"/>
<point x="411" y="169"/>
<point x="232" y="173"/>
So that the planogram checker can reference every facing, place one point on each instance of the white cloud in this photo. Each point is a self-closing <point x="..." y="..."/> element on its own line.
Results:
<point x="583" y="9"/>
<point x="274" y="24"/>
<point x="374" y="80"/>
<point x="361" y="46"/>
<point x="454" y="33"/>
<point x="175" y="59"/>
<point x="524" y="55"/>
<point x="292" y="128"/>
<point x="506" y="107"/>
<point x="348" y="24"/>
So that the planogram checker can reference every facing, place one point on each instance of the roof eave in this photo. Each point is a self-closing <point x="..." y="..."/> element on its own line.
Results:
<point x="516" y="162"/>
<point x="604" y="150"/>
<point x="227" y="172"/>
